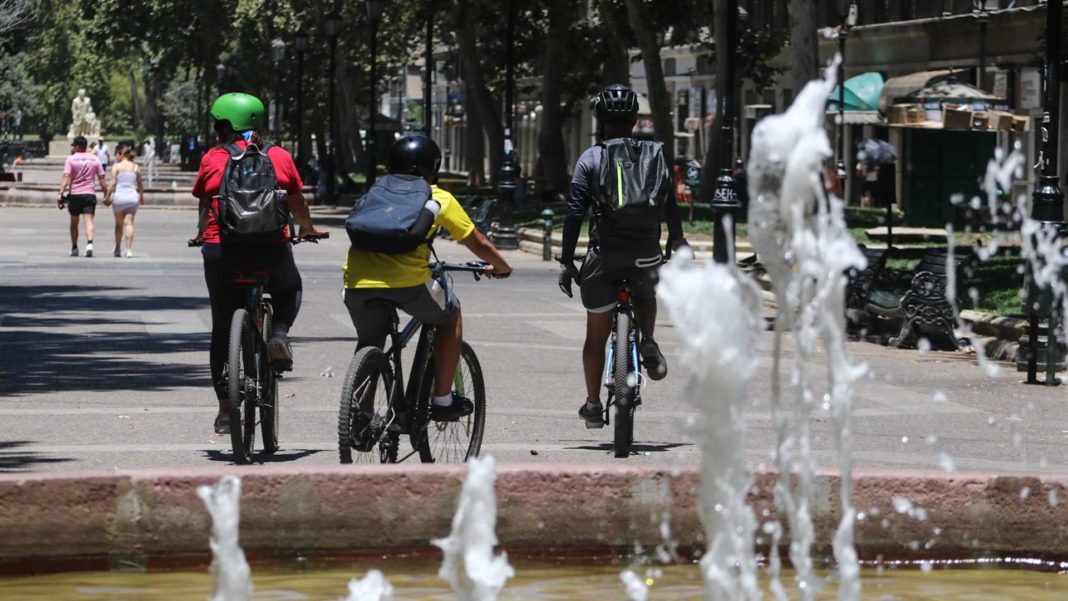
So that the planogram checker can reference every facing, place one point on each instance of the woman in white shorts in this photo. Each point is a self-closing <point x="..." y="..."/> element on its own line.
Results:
<point x="125" y="194"/>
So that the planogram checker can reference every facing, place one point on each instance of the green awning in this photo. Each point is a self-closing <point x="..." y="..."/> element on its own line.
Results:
<point x="861" y="93"/>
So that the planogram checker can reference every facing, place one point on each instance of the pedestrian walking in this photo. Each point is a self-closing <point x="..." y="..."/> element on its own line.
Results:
<point x="103" y="153"/>
<point x="125" y="194"/>
<point x="78" y="173"/>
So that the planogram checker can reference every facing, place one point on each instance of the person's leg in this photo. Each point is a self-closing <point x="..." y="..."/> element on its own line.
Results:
<point x="372" y="317"/>
<point x="447" y="338"/>
<point x="223" y="302"/>
<point x="90" y="227"/>
<point x="598" y="329"/>
<point x="643" y="297"/>
<point x="128" y="222"/>
<point x="286" y="288"/>
<point x="74" y="231"/>
<point x="118" y="232"/>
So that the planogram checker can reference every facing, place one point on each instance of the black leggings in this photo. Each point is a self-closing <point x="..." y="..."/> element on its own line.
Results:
<point x="284" y="286"/>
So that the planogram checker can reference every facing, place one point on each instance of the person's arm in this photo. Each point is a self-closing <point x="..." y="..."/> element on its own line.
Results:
<point x="140" y="186"/>
<point x="298" y="207"/>
<point x="482" y="248"/>
<point x="578" y="206"/>
<point x="63" y="183"/>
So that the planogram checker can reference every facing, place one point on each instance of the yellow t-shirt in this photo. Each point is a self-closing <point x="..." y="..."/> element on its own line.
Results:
<point x="365" y="269"/>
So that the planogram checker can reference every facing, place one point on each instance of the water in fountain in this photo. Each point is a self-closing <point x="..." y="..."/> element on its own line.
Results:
<point x="230" y="576"/>
<point x="470" y="567"/>
<point x="636" y="588"/>
<point x="372" y="587"/>
<point x="713" y="304"/>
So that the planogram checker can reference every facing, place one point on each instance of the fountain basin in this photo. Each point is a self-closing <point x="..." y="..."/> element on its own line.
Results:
<point x="151" y="519"/>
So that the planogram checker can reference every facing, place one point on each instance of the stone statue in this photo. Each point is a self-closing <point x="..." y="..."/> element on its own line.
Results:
<point x="92" y="126"/>
<point x="81" y="109"/>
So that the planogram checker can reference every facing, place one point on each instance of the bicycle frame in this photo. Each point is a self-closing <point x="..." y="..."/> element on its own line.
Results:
<point x="399" y="340"/>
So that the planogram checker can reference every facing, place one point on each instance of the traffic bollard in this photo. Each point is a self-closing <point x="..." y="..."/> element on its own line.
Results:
<point x="547" y="235"/>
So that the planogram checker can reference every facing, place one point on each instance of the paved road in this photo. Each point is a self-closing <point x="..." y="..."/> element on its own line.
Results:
<point x="105" y="367"/>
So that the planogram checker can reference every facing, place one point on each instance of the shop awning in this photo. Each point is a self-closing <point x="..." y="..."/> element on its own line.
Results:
<point x="861" y="93"/>
<point x="902" y="87"/>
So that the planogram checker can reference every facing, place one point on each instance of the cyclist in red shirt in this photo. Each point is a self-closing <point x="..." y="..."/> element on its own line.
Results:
<point x="238" y="119"/>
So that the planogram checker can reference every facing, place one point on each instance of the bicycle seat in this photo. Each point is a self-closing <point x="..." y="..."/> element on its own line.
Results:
<point x="249" y="278"/>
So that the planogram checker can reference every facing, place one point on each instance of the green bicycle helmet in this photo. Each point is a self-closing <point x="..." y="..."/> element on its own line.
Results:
<point x="243" y="111"/>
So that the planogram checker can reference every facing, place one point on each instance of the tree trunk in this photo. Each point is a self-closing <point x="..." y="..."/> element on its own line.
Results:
<point x="552" y="152"/>
<point x="350" y="150"/>
<point x="135" y="102"/>
<point x="617" y="64"/>
<point x="713" y="163"/>
<point x="153" y="122"/>
<point x="474" y="141"/>
<point x="659" y="101"/>
<point x="803" y="65"/>
<point x="483" y="100"/>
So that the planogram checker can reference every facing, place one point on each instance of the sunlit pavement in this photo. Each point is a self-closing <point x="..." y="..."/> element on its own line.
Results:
<point x="104" y="366"/>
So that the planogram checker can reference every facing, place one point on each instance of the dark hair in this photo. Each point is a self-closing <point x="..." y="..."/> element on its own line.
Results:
<point x="80" y="142"/>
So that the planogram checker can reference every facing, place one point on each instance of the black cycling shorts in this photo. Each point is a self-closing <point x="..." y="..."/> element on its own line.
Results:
<point x="81" y="204"/>
<point x="600" y="283"/>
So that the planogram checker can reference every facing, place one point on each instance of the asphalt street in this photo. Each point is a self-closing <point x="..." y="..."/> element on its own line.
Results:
<point x="104" y="366"/>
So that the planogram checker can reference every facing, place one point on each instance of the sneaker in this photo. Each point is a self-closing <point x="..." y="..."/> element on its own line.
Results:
<point x="460" y="407"/>
<point x="279" y="352"/>
<point x="222" y="422"/>
<point x="89" y="250"/>
<point x="593" y="414"/>
<point x="655" y="365"/>
<point x="129" y="254"/>
<point x="116" y="252"/>
<point x="74" y="252"/>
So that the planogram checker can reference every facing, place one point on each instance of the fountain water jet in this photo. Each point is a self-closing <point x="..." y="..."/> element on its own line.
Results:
<point x="231" y="578"/>
<point x="469" y="565"/>
<point x="798" y="231"/>
<point x="714" y="304"/>
<point x="372" y="587"/>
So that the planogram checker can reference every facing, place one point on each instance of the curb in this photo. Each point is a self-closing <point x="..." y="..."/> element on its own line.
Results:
<point x="153" y="518"/>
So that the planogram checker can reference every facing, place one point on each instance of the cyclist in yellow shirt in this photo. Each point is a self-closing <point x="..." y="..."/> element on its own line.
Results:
<point x="376" y="284"/>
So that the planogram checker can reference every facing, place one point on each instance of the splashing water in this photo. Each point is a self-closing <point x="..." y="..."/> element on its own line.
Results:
<point x="634" y="585"/>
<point x="799" y="233"/>
<point x="713" y="304"/>
<point x="469" y="565"/>
<point x="372" y="587"/>
<point x="230" y="575"/>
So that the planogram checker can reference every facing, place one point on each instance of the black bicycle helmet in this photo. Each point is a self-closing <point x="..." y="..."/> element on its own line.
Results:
<point x="414" y="154"/>
<point x="616" y="102"/>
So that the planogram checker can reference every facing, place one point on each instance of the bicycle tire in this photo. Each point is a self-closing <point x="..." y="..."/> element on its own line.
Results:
<point x="269" y="388"/>
<point x="624" y="418"/>
<point x="431" y="439"/>
<point x="369" y="375"/>
<point x="242" y="366"/>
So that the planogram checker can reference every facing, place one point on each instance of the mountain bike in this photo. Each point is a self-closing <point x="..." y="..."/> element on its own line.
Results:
<point x="251" y="380"/>
<point x="377" y="406"/>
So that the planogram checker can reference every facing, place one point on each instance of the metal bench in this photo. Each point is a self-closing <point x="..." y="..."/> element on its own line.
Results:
<point x="859" y="286"/>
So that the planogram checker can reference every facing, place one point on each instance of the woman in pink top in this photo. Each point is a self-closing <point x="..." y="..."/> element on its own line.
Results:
<point x="78" y="173"/>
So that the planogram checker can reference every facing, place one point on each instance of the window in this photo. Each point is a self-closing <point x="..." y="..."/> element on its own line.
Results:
<point x="669" y="67"/>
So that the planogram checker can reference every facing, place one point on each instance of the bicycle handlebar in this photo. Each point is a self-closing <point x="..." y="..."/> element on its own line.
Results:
<point x="195" y="242"/>
<point x="476" y="268"/>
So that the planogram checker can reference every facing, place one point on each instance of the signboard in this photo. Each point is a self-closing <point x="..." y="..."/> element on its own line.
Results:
<point x="1030" y="89"/>
<point x="1001" y="84"/>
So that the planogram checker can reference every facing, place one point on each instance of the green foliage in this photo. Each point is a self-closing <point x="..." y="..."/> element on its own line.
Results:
<point x="757" y="48"/>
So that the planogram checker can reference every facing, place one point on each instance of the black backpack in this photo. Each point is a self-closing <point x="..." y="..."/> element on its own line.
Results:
<point x="634" y="183"/>
<point x="394" y="217"/>
<point x="251" y="208"/>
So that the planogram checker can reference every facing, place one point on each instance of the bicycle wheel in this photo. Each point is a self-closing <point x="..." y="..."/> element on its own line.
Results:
<point x="621" y="390"/>
<point x="268" y="388"/>
<point x="242" y="380"/>
<point x="458" y="441"/>
<point x="364" y="413"/>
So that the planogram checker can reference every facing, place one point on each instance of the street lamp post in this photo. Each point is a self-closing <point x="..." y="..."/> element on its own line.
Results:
<point x="847" y="12"/>
<point x="725" y="204"/>
<point x="1047" y="200"/>
<point x="429" y="64"/>
<point x="504" y="235"/>
<point x="220" y="76"/>
<point x="300" y="42"/>
<point x="375" y="8"/>
<point x="332" y="26"/>
<point x="984" y="19"/>
<point x="278" y="53"/>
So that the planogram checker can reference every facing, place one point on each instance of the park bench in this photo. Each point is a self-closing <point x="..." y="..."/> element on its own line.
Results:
<point x="859" y="285"/>
<point x="922" y="310"/>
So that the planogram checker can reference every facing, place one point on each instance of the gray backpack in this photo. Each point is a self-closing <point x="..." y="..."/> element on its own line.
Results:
<point x="634" y="182"/>
<point x="251" y="208"/>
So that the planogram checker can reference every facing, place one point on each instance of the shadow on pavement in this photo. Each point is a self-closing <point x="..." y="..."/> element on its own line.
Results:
<point x="281" y="456"/>
<point x="635" y="449"/>
<point x="42" y="355"/>
<point x="12" y="459"/>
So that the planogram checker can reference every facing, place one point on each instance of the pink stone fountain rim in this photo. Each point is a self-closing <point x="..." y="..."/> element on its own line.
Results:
<point x="153" y="518"/>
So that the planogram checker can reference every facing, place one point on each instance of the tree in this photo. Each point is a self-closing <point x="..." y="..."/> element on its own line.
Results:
<point x="659" y="101"/>
<point x="475" y="83"/>
<point x="551" y="147"/>
<point x="803" y="51"/>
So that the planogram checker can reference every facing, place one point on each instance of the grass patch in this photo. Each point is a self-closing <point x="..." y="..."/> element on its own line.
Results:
<point x="1004" y="301"/>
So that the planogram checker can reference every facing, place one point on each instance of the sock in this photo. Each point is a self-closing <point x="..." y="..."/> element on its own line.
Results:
<point x="89" y="241"/>
<point x="280" y="329"/>
<point x="443" y="401"/>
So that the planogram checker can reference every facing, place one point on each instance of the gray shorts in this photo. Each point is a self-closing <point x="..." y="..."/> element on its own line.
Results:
<point x="373" y="310"/>
<point x="600" y="281"/>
